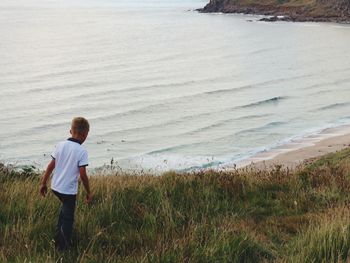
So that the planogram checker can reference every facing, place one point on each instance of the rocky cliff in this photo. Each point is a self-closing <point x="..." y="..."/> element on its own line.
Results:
<point x="292" y="10"/>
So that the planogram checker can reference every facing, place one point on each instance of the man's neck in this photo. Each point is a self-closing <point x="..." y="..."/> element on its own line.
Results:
<point x="75" y="139"/>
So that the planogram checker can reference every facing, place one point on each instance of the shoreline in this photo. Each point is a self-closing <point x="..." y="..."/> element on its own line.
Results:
<point x="278" y="17"/>
<point x="290" y="153"/>
<point x="301" y="150"/>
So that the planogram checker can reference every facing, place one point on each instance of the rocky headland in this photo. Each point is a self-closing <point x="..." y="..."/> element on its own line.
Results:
<point x="286" y="10"/>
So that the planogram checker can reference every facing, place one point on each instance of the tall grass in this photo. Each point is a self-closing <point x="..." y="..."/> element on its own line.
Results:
<point x="326" y="241"/>
<point x="232" y="216"/>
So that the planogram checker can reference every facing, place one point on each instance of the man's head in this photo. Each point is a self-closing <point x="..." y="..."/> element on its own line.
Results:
<point x="80" y="128"/>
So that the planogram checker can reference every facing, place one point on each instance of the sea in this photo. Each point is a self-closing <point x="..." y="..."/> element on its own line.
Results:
<point x="163" y="86"/>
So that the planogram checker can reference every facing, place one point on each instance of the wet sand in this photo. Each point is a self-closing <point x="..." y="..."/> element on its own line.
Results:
<point x="300" y="150"/>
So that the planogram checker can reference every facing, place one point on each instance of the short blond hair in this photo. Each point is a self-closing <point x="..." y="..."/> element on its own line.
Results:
<point x="80" y="125"/>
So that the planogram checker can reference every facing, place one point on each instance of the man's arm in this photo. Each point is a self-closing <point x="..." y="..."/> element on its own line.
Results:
<point x="84" y="178"/>
<point x="48" y="172"/>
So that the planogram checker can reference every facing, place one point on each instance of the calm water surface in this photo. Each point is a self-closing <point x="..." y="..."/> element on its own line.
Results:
<point x="163" y="87"/>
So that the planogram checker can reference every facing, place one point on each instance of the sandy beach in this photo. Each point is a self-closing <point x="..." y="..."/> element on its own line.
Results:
<point x="300" y="150"/>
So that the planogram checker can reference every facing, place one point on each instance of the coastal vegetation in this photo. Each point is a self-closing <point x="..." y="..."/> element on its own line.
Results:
<point x="269" y="215"/>
<point x="290" y="10"/>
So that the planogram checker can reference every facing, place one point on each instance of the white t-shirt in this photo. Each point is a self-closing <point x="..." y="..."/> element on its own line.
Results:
<point x="69" y="156"/>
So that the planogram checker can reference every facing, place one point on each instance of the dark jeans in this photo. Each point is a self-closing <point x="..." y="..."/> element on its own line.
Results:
<point x="65" y="222"/>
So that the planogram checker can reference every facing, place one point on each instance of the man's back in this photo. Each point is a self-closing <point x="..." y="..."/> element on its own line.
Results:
<point x="69" y="155"/>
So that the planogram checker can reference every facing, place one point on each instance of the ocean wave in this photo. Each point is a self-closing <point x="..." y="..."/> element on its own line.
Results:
<point x="243" y="87"/>
<point x="258" y="84"/>
<point x="222" y="138"/>
<point x="61" y="87"/>
<point x="162" y="103"/>
<point x="262" y="128"/>
<point x="176" y="121"/>
<point x="172" y="148"/>
<point x="37" y="78"/>
<point x="110" y="92"/>
<point x="273" y="100"/>
<point x="37" y="129"/>
<point x="179" y="134"/>
<point x="88" y="95"/>
<point x="113" y="91"/>
<point x="327" y="84"/>
<point x="223" y="122"/>
<point x="320" y="92"/>
<point x="152" y="107"/>
<point x="334" y="106"/>
<point x="155" y="107"/>
<point x="262" y="50"/>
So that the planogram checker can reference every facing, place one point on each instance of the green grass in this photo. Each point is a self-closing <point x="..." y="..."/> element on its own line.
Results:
<point x="326" y="242"/>
<point x="273" y="215"/>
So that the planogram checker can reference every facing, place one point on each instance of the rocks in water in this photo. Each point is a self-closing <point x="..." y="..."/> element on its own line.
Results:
<point x="270" y="19"/>
<point x="276" y="18"/>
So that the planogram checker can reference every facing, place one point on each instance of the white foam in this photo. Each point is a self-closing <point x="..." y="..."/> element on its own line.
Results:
<point x="165" y="162"/>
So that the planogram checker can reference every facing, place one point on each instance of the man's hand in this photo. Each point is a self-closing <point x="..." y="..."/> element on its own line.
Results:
<point x="49" y="169"/>
<point x="88" y="198"/>
<point x="84" y="178"/>
<point x="43" y="190"/>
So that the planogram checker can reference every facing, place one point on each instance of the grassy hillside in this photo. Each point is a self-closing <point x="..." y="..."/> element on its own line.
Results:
<point x="293" y="10"/>
<point x="237" y="216"/>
